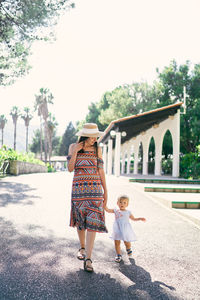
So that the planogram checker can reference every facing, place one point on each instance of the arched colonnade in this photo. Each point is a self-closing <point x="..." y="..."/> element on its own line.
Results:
<point x="118" y="154"/>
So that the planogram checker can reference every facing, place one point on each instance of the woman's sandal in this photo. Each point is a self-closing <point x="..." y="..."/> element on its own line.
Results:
<point x="118" y="258"/>
<point x="88" y="268"/>
<point x="80" y="254"/>
<point x="129" y="252"/>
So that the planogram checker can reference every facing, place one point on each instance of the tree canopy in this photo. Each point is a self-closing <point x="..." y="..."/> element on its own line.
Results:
<point x="131" y="99"/>
<point x="21" y="23"/>
<point x="69" y="137"/>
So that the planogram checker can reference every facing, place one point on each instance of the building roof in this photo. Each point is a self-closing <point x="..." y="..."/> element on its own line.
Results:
<point x="58" y="158"/>
<point x="136" y="124"/>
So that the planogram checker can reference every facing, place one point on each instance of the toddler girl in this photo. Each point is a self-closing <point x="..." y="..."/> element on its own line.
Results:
<point x="122" y="230"/>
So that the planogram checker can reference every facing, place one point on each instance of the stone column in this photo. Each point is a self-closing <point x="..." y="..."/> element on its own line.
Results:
<point x="105" y="157"/>
<point x="117" y="153"/>
<point x="123" y="162"/>
<point x="109" y="164"/>
<point x="176" y="144"/>
<point x="145" y="157"/>
<point x="128" y="160"/>
<point x="136" y="151"/>
<point x="158" y="156"/>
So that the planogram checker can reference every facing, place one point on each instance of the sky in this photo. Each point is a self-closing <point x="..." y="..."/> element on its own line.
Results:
<point x="102" y="44"/>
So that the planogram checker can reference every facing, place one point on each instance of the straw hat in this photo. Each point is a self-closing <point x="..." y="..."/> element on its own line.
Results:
<point x="90" y="130"/>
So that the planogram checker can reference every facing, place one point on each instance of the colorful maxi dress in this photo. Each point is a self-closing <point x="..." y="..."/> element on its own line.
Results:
<point x="87" y="194"/>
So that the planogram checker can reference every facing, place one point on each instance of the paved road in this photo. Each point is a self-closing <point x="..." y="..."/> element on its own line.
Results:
<point x="38" y="248"/>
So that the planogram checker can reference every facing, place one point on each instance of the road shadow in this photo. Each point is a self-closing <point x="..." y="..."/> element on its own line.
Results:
<point x="15" y="193"/>
<point x="143" y="287"/>
<point x="34" y="267"/>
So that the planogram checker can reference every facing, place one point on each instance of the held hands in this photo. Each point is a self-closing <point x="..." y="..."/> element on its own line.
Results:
<point x="106" y="208"/>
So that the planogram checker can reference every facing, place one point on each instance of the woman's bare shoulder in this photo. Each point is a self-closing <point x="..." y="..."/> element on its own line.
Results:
<point x="99" y="152"/>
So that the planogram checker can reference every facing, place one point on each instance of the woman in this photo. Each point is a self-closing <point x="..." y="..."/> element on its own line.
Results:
<point x="88" y="198"/>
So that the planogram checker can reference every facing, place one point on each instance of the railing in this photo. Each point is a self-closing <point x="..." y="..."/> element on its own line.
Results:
<point x="3" y="167"/>
<point x="140" y="167"/>
<point x="151" y="167"/>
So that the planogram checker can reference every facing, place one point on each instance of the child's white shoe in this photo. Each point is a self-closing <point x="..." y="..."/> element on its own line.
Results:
<point x="118" y="258"/>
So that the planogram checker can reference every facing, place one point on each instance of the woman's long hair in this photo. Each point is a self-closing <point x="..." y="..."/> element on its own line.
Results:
<point x="83" y="139"/>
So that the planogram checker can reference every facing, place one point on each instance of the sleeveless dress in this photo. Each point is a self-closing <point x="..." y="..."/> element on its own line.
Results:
<point x="87" y="193"/>
<point x="122" y="229"/>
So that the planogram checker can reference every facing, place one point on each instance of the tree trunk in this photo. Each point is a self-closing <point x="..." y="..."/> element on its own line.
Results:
<point x="26" y="138"/>
<point x="2" y="137"/>
<point x="45" y="140"/>
<point x="41" y="148"/>
<point x="15" y="134"/>
<point x="50" y="147"/>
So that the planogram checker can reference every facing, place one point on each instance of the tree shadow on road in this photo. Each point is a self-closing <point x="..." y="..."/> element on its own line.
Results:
<point x="36" y="267"/>
<point x="15" y="193"/>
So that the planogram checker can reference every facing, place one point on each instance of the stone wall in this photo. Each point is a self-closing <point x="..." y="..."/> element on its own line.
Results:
<point x="21" y="167"/>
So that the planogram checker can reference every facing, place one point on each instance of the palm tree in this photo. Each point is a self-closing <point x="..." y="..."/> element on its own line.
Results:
<point x="15" y="113"/>
<point x="37" y="108"/>
<point x="51" y="123"/>
<point x="3" y="121"/>
<point x="27" y="116"/>
<point x="42" y="100"/>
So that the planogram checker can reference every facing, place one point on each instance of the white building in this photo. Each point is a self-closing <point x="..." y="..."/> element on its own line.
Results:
<point x="124" y="136"/>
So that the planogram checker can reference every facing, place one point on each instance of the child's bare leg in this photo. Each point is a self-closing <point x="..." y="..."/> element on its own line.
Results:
<point x="128" y="248"/>
<point x="118" y="258"/>
<point x="117" y="247"/>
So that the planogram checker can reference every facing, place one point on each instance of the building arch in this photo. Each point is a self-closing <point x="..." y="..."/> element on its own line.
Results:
<point x="167" y="153"/>
<point x="140" y="158"/>
<point x="151" y="155"/>
<point x="140" y="129"/>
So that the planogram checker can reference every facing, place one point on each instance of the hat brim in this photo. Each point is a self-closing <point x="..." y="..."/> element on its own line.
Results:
<point x="97" y="134"/>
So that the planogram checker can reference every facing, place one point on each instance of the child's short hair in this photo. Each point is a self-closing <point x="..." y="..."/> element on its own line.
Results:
<point x="123" y="197"/>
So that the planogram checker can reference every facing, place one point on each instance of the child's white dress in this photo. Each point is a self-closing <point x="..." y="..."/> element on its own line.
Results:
<point x="122" y="229"/>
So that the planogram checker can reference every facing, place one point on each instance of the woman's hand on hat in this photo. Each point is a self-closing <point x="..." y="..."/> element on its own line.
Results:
<point x="78" y="146"/>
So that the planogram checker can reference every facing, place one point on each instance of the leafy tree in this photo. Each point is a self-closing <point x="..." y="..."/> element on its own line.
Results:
<point x="127" y="100"/>
<point x="22" y="22"/>
<point x="35" y="146"/>
<point x="51" y="124"/>
<point x="190" y="164"/>
<point x="68" y="138"/>
<point x="36" y="142"/>
<point x="172" y="80"/>
<point x="93" y="115"/>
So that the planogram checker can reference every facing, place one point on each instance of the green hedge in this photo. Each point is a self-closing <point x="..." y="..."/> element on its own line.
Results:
<point x="190" y="165"/>
<point x="10" y="154"/>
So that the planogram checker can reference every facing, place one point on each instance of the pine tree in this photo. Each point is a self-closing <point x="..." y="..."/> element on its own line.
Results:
<point x="68" y="138"/>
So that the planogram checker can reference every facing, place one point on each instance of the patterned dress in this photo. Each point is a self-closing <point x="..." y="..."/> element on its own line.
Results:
<point x="87" y="194"/>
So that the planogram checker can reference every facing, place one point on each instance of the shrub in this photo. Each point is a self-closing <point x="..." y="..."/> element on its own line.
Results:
<point x="50" y="168"/>
<point x="9" y="154"/>
<point x="190" y="165"/>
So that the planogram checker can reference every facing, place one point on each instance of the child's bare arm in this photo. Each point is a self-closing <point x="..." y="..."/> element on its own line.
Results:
<point x="137" y="219"/>
<point x="109" y="210"/>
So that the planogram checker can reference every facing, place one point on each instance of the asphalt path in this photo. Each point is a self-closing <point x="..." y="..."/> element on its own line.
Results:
<point x="38" y="248"/>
